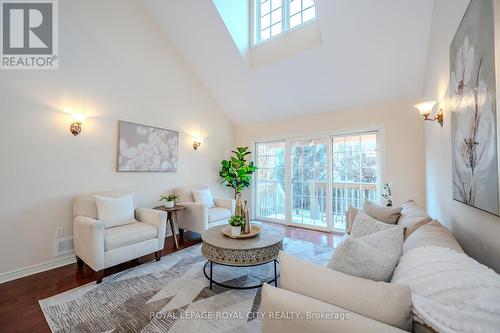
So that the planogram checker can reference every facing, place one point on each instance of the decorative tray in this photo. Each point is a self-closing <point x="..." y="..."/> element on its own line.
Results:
<point x="255" y="230"/>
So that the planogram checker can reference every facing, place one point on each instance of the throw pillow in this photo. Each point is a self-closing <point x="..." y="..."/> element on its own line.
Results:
<point x="382" y="213"/>
<point x="115" y="211"/>
<point x="365" y="225"/>
<point x="412" y="217"/>
<point x="371" y="257"/>
<point x="203" y="196"/>
<point x="432" y="234"/>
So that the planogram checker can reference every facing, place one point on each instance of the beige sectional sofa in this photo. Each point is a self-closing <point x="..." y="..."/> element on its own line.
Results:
<point x="312" y="295"/>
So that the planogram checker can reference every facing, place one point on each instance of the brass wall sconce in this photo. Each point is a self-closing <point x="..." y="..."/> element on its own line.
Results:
<point x="197" y="142"/>
<point x="196" y="145"/>
<point x="76" y="126"/>
<point x="425" y="110"/>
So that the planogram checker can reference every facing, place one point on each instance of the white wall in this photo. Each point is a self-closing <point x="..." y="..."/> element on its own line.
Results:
<point x="403" y="136"/>
<point x="115" y="64"/>
<point x="478" y="232"/>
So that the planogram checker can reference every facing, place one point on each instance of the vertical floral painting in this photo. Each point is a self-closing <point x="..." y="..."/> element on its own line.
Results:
<point x="473" y="109"/>
<point x="146" y="148"/>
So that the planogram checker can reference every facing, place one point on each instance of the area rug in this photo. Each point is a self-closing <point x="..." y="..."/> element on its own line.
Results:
<point x="171" y="295"/>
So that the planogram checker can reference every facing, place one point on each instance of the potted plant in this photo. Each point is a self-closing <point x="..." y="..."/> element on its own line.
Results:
<point x="236" y="222"/>
<point x="237" y="172"/>
<point x="169" y="200"/>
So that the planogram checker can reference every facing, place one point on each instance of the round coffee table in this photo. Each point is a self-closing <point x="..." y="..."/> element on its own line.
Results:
<point x="256" y="251"/>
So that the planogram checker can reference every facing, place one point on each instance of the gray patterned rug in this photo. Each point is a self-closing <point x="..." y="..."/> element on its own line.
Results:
<point x="171" y="295"/>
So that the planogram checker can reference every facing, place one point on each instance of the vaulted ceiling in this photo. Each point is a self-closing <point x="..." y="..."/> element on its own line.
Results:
<point x="371" y="52"/>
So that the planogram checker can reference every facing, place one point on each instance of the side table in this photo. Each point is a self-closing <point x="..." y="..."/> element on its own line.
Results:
<point x="171" y="212"/>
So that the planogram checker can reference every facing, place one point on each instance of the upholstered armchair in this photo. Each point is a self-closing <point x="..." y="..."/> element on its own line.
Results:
<point x="199" y="216"/>
<point x="101" y="247"/>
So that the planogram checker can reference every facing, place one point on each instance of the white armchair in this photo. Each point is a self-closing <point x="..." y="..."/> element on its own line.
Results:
<point x="100" y="247"/>
<point x="198" y="216"/>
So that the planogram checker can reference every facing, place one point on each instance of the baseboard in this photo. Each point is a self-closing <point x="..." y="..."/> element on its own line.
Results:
<point x="30" y="270"/>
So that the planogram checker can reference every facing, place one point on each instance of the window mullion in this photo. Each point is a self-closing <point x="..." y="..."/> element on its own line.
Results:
<point x="285" y="16"/>
<point x="301" y="11"/>
<point x="257" y="20"/>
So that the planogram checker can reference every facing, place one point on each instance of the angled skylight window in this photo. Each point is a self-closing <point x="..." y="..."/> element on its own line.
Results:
<point x="273" y="17"/>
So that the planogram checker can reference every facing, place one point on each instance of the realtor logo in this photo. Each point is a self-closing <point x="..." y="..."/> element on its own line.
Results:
<point x="29" y="34"/>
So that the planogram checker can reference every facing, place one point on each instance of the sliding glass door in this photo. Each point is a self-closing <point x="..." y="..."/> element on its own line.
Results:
<point x="270" y="181"/>
<point x="355" y="170"/>
<point x="311" y="182"/>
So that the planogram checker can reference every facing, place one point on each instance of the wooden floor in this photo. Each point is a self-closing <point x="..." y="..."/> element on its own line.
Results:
<point x="19" y="308"/>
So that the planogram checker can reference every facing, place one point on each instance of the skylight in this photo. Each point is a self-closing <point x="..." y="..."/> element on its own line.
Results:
<point x="273" y="17"/>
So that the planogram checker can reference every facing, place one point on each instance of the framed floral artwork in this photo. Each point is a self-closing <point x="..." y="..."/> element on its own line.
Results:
<point x="143" y="148"/>
<point x="473" y="109"/>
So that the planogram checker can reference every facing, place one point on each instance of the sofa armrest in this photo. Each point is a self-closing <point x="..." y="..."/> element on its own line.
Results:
<point x="226" y="203"/>
<point x="381" y="301"/>
<point x="194" y="217"/>
<point x="286" y="311"/>
<point x="88" y="237"/>
<point x="156" y="218"/>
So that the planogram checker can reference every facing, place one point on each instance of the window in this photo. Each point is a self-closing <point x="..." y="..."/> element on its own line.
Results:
<point x="311" y="182"/>
<point x="301" y="11"/>
<point x="270" y="196"/>
<point x="272" y="17"/>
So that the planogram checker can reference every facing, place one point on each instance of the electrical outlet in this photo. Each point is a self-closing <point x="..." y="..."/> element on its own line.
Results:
<point x="59" y="232"/>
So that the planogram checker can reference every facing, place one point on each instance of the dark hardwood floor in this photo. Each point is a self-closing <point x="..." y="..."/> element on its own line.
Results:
<point x="19" y="308"/>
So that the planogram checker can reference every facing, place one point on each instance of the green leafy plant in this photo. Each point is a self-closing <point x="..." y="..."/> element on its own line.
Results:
<point x="237" y="221"/>
<point x="236" y="172"/>
<point x="170" y="197"/>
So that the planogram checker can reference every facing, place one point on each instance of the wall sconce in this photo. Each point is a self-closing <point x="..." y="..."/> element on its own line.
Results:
<point x="196" y="143"/>
<point x="76" y="126"/>
<point x="425" y="110"/>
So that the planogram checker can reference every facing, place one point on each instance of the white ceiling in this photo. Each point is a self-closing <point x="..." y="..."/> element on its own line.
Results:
<point x="372" y="52"/>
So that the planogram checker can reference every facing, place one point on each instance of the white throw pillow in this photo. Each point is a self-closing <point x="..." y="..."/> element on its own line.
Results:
<point x="365" y="225"/>
<point x="412" y="217"/>
<point x="371" y="257"/>
<point x="382" y="213"/>
<point x="115" y="211"/>
<point x="432" y="234"/>
<point x="203" y="196"/>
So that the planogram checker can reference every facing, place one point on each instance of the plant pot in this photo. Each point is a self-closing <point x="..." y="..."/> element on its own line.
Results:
<point x="236" y="231"/>
<point x="169" y="204"/>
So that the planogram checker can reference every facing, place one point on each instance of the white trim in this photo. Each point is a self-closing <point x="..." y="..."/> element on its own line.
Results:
<point x="341" y="131"/>
<point x="329" y="181"/>
<point x="42" y="267"/>
<point x="313" y="227"/>
<point x="271" y="220"/>
<point x="284" y="33"/>
<point x="288" y="182"/>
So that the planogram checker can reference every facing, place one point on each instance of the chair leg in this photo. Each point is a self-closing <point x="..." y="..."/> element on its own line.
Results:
<point x="98" y="276"/>
<point x="158" y="255"/>
<point x="79" y="262"/>
<point x="181" y="234"/>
